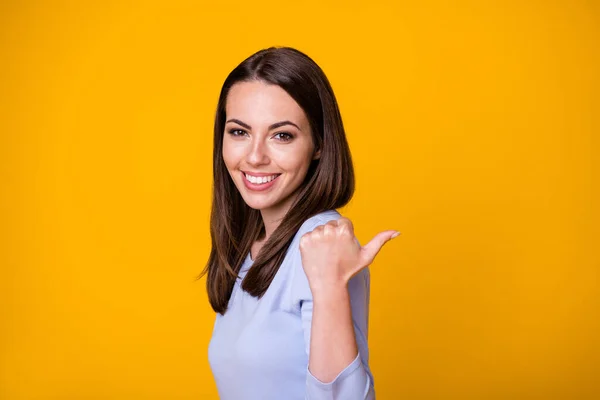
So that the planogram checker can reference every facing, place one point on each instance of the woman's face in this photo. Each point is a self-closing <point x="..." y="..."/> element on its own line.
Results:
<point x="267" y="145"/>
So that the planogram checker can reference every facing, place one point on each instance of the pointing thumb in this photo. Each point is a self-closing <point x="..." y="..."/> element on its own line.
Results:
<point x="370" y="250"/>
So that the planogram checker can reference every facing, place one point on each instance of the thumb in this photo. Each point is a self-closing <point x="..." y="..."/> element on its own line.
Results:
<point x="370" y="250"/>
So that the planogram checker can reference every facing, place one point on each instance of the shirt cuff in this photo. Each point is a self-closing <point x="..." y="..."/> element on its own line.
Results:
<point x="352" y="380"/>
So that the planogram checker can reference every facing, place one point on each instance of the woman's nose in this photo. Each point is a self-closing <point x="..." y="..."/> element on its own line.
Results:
<point x="257" y="154"/>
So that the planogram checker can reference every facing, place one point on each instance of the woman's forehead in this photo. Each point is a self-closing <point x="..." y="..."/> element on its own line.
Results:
<point x="262" y="104"/>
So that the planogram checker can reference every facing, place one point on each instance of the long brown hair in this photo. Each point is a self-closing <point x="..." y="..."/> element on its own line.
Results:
<point x="329" y="182"/>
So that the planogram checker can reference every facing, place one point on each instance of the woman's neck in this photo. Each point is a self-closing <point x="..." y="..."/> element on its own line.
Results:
<point x="273" y="216"/>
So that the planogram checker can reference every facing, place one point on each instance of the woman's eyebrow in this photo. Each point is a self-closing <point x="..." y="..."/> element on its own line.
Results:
<point x="272" y="126"/>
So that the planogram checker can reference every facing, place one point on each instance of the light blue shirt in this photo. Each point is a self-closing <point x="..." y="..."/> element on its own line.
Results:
<point x="259" y="348"/>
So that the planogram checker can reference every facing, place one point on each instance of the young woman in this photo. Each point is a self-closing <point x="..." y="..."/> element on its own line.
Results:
<point x="286" y="275"/>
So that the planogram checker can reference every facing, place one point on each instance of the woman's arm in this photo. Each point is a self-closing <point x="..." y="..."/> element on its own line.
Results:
<point x="353" y="379"/>
<point x="331" y="256"/>
<point x="332" y="344"/>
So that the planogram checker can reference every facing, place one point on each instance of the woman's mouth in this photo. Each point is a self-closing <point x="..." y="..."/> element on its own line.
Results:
<point x="259" y="183"/>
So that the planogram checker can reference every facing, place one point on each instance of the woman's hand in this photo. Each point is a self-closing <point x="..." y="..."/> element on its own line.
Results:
<point x="331" y="254"/>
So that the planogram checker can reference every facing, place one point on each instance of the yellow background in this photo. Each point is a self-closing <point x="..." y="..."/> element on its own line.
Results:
<point x="474" y="129"/>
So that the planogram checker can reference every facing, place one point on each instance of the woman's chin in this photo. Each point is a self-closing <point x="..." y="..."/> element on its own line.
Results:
<point x="257" y="204"/>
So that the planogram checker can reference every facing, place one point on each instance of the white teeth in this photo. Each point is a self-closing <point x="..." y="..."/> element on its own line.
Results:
<point x="259" y="179"/>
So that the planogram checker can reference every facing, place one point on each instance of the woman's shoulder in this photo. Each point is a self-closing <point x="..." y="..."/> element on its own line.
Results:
<point x="318" y="219"/>
<point x="312" y="222"/>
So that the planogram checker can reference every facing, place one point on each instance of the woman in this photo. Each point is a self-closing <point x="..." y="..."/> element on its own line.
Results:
<point x="286" y="275"/>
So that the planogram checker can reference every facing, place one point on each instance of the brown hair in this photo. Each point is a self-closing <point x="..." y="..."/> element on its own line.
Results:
<point x="329" y="182"/>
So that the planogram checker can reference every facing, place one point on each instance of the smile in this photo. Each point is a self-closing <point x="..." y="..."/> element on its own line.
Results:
<point x="260" y="179"/>
<point x="259" y="182"/>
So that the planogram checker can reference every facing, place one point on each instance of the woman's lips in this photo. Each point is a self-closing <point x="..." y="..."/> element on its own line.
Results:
<point x="259" y="187"/>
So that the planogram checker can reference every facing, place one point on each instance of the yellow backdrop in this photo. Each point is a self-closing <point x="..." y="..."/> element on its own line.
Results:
<point x="474" y="128"/>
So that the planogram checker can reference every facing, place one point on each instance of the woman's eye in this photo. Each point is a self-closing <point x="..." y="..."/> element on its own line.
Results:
<point x="236" y="132"/>
<point x="284" y="136"/>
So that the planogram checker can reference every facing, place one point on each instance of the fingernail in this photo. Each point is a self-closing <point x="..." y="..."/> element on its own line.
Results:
<point x="395" y="234"/>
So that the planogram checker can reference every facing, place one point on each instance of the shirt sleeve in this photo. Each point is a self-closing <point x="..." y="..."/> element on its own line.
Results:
<point x="355" y="381"/>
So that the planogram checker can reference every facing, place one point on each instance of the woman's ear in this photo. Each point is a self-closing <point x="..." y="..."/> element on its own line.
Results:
<point x="317" y="155"/>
